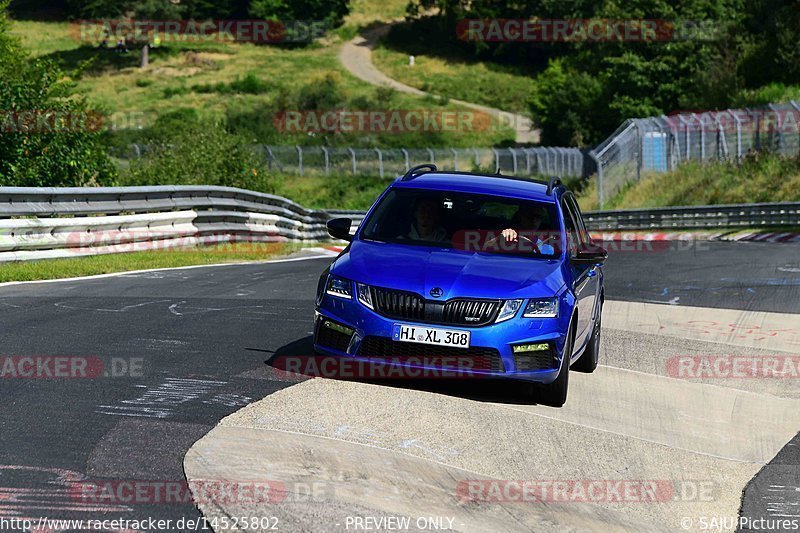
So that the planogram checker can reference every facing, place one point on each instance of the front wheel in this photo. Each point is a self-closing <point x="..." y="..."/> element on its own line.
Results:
<point x="555" y="394"/>
<point x="591" y="355"/>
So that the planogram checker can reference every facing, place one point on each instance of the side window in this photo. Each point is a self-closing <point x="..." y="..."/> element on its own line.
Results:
<point x="573" y="238"/>
<point x="586" y="239"/>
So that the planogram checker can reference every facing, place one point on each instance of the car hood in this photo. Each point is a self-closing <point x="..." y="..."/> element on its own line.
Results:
<point x="458" y="273"/>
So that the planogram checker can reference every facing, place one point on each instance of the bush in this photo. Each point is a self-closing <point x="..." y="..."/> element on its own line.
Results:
<point x="330" y="11"/>
<point x="65" y="151"/>
<point x="195" y="153"/>
<point x="250" y="84"/>
<point x="325" y="93"/>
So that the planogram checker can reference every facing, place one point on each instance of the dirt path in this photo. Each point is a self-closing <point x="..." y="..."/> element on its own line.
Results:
<point x="356" y="56"/>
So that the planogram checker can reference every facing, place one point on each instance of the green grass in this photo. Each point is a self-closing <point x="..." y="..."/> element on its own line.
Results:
<point x="106" y="264"/>
<point x="769" y="94"/>
<point x="760" y="178"/>
<point x="480" y="82"/>
<point x="364" y="13"/>
<point x="218" y="78"/>
<point x="42" y="38"/>
<point x="325" y="192"/>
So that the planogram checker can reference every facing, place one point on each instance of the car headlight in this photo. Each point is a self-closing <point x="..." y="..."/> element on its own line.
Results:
<point x="340" y="287"/>
<point x="509" y="309"/>
<point x="542" y="308"/>
<point x="364" y="295"/>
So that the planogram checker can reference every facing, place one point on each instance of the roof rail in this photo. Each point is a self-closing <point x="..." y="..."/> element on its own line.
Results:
<point x="554" y="182"/>
<point x="413" y="172"/>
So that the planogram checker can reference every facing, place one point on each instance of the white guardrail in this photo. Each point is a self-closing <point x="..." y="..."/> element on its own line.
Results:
<point x="43" y="223"/>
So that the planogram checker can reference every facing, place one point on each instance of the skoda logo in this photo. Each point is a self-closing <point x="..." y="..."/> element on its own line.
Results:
<point x="436" y="292"/>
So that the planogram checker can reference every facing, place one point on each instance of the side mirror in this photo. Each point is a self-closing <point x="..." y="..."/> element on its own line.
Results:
<point x="339" y="228"/>
<point x="591" y="253"/>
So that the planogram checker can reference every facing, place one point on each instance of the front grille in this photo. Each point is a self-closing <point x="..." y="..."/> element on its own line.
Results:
<point x="463" y="312"/>
<point x="541" y="360"/>
<point x="398" y="304"/>
<point x="330" y="338"/>
<point x="456" y="312"/>
<point x="447" y="357"/>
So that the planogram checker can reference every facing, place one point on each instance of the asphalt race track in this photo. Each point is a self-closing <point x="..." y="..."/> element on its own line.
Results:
<point x="748" y="276"/>
<point x="187" y="347"/>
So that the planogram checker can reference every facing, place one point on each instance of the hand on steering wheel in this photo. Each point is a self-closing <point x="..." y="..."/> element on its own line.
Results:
<point x="510" y="235"/>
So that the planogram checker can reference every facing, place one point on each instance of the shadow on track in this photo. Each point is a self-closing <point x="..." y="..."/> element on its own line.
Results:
<point x="295" y="361"/>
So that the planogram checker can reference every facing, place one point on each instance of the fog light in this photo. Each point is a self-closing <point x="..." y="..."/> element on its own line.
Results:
<point x="338" y="327"/>
<point x="530" y="347"/>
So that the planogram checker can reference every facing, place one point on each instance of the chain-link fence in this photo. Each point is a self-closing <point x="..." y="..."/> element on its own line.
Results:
<point x="389" y="163"/>
<point x="659" y="144"/>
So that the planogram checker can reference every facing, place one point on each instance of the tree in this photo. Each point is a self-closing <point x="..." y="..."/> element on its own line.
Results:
<point x="330" y="11"/>
<point x="48" y="136"/>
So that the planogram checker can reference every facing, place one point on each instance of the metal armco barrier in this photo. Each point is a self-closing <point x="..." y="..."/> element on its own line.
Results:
<point x="41" y="223"/>
<point x="699" y="217"/>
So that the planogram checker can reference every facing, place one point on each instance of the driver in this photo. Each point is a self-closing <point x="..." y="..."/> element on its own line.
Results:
<point x="529" y="220"/>
<point x="426" y="222"/>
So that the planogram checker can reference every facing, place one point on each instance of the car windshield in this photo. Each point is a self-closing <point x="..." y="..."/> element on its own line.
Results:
<point x="463" y="221"/>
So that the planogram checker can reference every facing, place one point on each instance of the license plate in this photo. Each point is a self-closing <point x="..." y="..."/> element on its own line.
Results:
<point x="442" y="337"/>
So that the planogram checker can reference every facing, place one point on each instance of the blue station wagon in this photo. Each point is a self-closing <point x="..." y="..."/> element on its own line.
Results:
<point x="485" y="275"/>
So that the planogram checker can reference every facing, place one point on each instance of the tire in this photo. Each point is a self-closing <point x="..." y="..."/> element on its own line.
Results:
<point x="555" y="394"/>
<point x="591" y="355"/>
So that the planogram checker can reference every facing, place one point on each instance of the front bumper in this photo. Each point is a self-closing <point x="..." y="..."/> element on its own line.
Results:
<point x="333" y="312"/>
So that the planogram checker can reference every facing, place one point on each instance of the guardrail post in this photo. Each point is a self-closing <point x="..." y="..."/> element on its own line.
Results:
<point x="477" y="158"/>
<point x="513" y="160"/>
<point x="327" y="161"/>
<point x="496" y="160"/>
<point x="380" y="162"/>
<point x="405" y="156"/>
<point x="353" y="156"/>
<point x="299" y="160"/>
<point x="455" y="158"/>
<point x="430" y="153"/>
